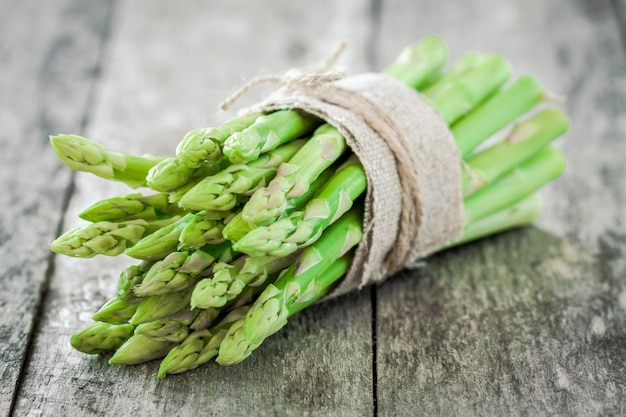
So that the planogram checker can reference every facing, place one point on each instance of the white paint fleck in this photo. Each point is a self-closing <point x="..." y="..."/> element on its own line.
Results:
<point x="562" y="381"/>
<point x="611" y="390"/>
<point x="597" y="326"/>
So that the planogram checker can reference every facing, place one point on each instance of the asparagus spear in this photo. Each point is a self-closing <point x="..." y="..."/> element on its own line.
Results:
<point x="267" y="133"/>
<point x="496" y="113"/>
<point x="524" y="140"/>
<point x="299" y="229"/>
<point x="157" y="307"/>
<point x="200" y="347"/>
<point x="294" y="177"/>
<point x="519" y="214"/>
<point x="235" y="345"/>
<point x="170" y="174"/>
<point x="472" y="88"/>
<point x="82" y="154"/>
<point x="520" y="182"/>
<point x="417" y="62"/>
<point x="131" y="207"/>
<point x="101" y="337"/>
<point x="166" y="330"/>
<point x="175" y="304"/>
<point x="229" y="280"/>
<point x="203" y="318"/>
<point x="220" y="191"/>
<point x="105" y="238"/>
<point x="115" y="311"/>
<point x="237" y="227"/>
<point x="198" y="148"/>
<point x="466" y="63"/>
<point x="198" y="154"/>
<point x="201" y="230"/>
<point x="178" y="270"/>
<point x="298" y="284"/>
<point x="154" y="339"/>
<point x="140" y="348"/>
<point x="203" y="146"/>
<point x="130" y="278"/>
<point x="160" y="243"/>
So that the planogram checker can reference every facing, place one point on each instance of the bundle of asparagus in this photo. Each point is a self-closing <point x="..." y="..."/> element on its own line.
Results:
<point x="257" y="219"/>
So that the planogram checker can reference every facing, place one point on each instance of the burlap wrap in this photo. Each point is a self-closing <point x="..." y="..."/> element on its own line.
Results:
<point x="414" y="203"/>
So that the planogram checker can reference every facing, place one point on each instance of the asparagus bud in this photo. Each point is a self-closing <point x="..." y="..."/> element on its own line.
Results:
<point x="82" y="154"/>
<point x="101" y="337"/>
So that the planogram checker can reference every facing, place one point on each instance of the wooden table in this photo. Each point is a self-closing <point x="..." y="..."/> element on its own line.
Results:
<point x="529" y="322"/>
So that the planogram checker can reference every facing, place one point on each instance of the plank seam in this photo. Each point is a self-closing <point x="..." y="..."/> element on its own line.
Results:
<point x="372" y="56"/>
<point x="374" y="299"/>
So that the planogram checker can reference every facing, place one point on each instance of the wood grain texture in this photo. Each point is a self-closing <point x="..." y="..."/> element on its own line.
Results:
<point x="159" y="81"/>
<point x="530" y="322"/>
<point x="49" y="54"/>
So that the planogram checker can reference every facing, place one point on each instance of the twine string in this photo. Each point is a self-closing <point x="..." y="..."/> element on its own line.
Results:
<point x="323" y="73"/>
<point x="382" y="125"/>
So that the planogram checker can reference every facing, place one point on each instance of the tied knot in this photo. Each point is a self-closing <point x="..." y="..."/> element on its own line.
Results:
<point x="295" y="78"/>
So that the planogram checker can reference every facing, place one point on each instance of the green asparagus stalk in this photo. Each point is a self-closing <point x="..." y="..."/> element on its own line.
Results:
<point x="519" y="214"/>
<point x="416" y="63"/>
<point x="166" y="330"/>
<point x="130" y="278"/>
<point x="131" y="207"/>
<point x="140" y="348"/>
<point x="520" y="182"/>
<point x="159" y="244"/>
<point x="267" y="133"/>
<point x="115" y="311"/>
<point x="201" y="230"/>
<point x="170" y="174"/>
<point x="178" y="270"/>
<point x="299" y="229"/>
<point x="229" y="280"/>
<point x="198" y="148"/>
<point x="158" y="307"/>
<point x="106" y="238"/>
<point x="496" y="113"/>
<point x="200" y="347"/>
<point x="101" y="337"/>
<point x="236" y="345"/>
<point x="237" y="227"/>
<point x="198" y="154"/>
<point x="203" y="318"/>
<point x="82" y="154"/>
<point x="293" y="178"/>
<point x="298" y="284"/>
<point x="466" y="63"/>
<point x="525" y="139"/>
<point x="220" y="191"/>
<point x="471" y="89"/>
<point x="204" y="146"/>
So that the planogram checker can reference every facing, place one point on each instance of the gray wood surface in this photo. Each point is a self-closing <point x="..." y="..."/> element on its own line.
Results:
<point x="530" y="322"/>
<point x="48" y="61"/>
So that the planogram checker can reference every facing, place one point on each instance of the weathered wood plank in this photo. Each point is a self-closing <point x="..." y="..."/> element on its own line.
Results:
<point x="49" y="54"/>
<point x="161" y="79"/>
<point x="530" y="322"/>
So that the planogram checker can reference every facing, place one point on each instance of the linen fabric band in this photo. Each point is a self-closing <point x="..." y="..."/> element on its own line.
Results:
<point x="414" y="202"/>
